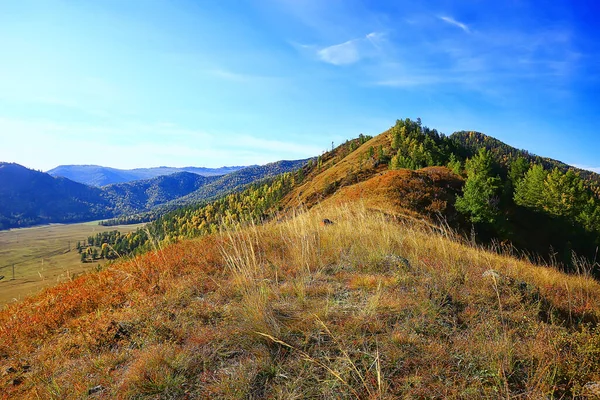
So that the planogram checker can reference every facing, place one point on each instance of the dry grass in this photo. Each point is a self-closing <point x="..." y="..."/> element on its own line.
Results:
<point x="365" y="308"/>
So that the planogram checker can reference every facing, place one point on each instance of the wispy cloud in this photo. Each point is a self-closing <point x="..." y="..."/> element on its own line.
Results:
<point x="340" y="54"/>
<point x="454" y="22"/>
<point x="352" y="50"/>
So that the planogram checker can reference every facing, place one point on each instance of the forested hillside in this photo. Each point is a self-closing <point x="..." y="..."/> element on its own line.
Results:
<point x="504" y="154"/>
<point x="131" y="197"/>
<point x="213" y="189"/>
<point x="29" y="197"/>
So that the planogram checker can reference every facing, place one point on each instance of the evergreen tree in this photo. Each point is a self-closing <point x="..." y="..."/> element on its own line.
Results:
<point x="518" y="169"/>
<point x="454" y="164"/>
<point x="564" y="194"/>
<point x="528" y="191"/>
<point x="479" y="194"/>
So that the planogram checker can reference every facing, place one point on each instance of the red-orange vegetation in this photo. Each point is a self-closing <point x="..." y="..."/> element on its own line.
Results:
<point x="429" y="191"/>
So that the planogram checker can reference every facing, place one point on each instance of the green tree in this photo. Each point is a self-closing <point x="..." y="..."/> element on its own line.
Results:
<point x="480" y="190"/>
<point x="518" y="169"/>
<point x="371" y="152"/>
<point x="564" y="194"/>
<point x="589" y="217"/>
<point x="454" y="164"/>
<point x="528" y="191"/>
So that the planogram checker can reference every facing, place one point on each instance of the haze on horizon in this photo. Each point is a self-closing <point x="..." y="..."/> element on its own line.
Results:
<point x="187" y="83"/>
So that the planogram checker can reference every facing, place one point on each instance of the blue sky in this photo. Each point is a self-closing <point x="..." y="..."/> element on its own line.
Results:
<point x="235" y="82"/>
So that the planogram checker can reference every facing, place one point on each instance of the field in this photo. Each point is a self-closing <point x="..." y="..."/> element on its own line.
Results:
<point x="43" y="256"/>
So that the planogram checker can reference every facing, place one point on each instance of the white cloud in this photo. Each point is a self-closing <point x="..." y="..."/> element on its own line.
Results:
<point x="454" y="22"/>
<point x="236" y="76"/>
<point x="340" y="54"/>
<point x="352" y="50"/>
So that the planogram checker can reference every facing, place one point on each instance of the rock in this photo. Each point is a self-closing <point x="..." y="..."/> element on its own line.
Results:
<point x="95" y="389"/>
<point x="492" y="274"/>
<point x="397" y="260"/>
<point x="592" y="388"/>
<point x="326" y="221"/>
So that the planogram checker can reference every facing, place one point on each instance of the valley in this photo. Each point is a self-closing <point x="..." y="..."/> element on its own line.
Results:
<point x="44" y="256"/>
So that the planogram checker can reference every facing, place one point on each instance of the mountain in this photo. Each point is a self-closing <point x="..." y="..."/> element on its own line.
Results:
<point x="472" y="142"/>
<point x="338" y="280"/>
<point x="95" y="175"/>
<point x="237" y="180"/>
<point x="214" y="188"/>
<point x="30" y="197"/>
<point x="132" y="197"/>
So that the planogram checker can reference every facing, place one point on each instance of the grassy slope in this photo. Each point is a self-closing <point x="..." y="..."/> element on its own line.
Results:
<point x="367" y="307"/>
<point x="337" y="169"/>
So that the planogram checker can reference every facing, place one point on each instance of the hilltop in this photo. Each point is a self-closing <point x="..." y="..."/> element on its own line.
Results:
<point x="255" y="296"/>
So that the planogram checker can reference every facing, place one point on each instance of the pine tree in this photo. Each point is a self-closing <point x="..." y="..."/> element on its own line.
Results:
<point x="528" y="191"/>
<point x="479" y="194"/>
<point x="454" y="164"/>
<point x="564" y="194"/>
<point x="518" y="169"/>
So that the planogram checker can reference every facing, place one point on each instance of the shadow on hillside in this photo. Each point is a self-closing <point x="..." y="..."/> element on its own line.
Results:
<point x="542" y="237"/>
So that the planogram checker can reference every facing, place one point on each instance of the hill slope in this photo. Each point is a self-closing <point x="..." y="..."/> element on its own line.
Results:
<point x="504" y="153"/>
<point x="30" y="197"/>
<point x="96" y="175"/>
<point x="238" y="180"/>
<point x="545" y="226"/>
<point x="133" y="197"/>
<point x="363" y="308"/>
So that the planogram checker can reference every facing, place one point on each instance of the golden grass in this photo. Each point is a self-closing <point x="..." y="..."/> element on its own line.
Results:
<point x="365" y="308"/>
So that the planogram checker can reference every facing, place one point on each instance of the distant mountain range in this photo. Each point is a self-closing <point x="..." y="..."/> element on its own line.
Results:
<point x="29" y="197"/>
<point x="96" y="175"/>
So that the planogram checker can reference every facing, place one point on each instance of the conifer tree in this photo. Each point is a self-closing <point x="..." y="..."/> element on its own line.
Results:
<point x="479" y="194"/>
<point x="528" y="191"/>
<point x="454" y="164"/>
<point x="564" y="194"/>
